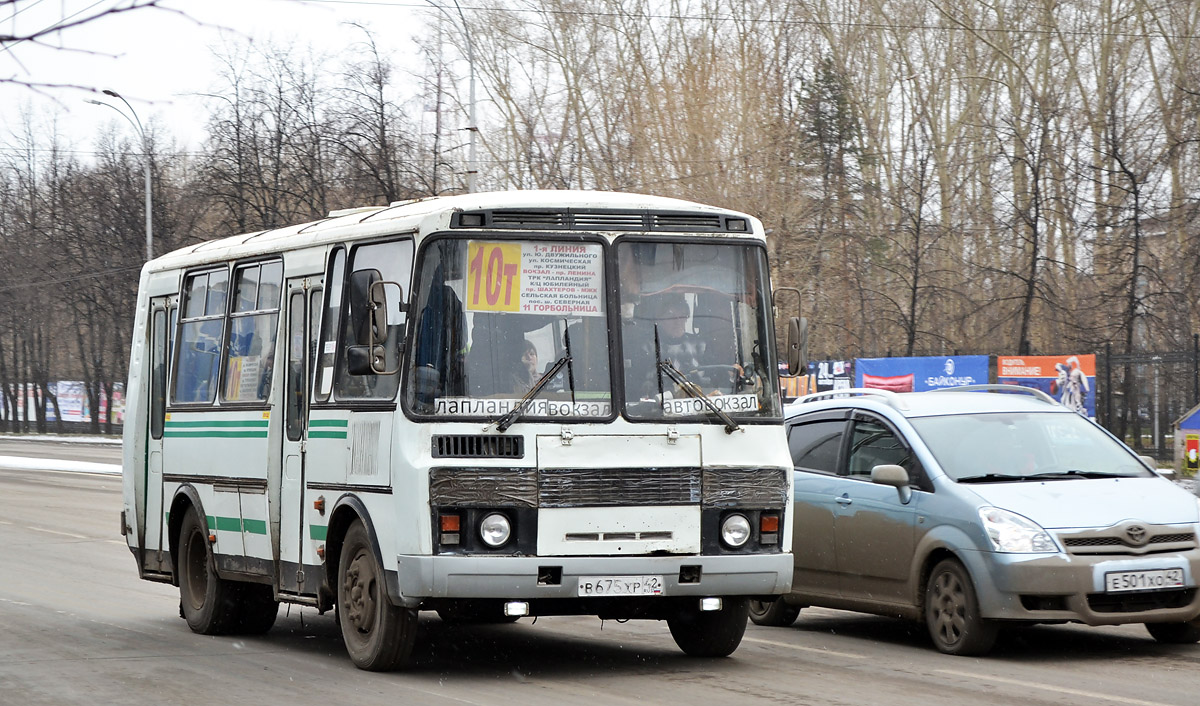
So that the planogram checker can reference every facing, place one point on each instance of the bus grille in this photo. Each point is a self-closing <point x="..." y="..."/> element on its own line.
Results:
<point x="478" y="446"/>
<point x="599" y="487"/>
<point x="764" y="488"/>
<point x="750" y="487"/>
<point x="598" y="219"/>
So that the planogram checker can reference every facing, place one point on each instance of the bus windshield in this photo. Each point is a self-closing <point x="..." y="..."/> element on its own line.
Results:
<point x="694" y="325"/>
<point x="495" y="319"/>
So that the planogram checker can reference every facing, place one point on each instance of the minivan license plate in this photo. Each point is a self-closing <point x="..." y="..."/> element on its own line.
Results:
<point x="1117" y="581"/>
<point x="620" y="585"/>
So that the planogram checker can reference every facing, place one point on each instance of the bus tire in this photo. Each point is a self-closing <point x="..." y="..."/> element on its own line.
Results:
<point x="257" y="609"/>
<point x="206" y="601"/>
<point x="710" y="633"/>
<point x="379" y="636"/>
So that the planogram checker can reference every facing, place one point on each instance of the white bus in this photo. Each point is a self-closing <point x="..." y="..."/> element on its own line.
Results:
<point x="489" y="406"/>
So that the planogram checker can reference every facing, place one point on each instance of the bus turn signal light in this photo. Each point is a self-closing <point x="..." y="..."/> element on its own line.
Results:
<point x="768" y="523"/>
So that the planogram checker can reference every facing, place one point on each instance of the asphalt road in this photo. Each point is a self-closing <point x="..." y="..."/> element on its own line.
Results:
<point x="78" y="627"/>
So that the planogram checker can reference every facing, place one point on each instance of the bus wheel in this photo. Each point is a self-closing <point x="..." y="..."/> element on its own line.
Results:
<point x="710" y="633"/>
<point x="257" y="608"/>
<point x="207" y="602"/>
<point x="378" y="635"/>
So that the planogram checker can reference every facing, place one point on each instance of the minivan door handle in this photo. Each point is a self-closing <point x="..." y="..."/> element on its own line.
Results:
<point x="843" y="500"/>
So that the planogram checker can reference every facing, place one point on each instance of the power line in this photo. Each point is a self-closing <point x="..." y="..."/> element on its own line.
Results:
<point x="760" y="20"/>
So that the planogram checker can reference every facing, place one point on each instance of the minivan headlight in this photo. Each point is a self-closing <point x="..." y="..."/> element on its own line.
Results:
<point x="1014" y="534"/>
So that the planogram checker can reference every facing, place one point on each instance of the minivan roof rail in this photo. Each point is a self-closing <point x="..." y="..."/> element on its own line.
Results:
<point x="1015" y="389"/>
<point x="891" y="398"/>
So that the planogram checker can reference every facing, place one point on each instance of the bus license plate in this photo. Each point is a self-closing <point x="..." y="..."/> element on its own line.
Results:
<point x="620" y="586"/>
<point x="1117" y="581"/>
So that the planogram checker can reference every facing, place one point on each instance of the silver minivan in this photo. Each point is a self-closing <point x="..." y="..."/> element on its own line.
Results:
<point x="970" y="508"/>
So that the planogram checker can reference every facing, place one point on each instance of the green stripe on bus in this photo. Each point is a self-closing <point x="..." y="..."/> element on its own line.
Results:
<point x="220" y="423"/>
<point x="318" y="532"/>
<point x="235" y="524"/>
<point x="255" y="526"/>
<point x="218" y="434"/>
<point x="329" y="422"/>
<point x="327" y="435"/>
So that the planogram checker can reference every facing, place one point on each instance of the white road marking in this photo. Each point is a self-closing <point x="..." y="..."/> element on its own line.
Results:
<point x="1057" y="689"/>
<point x="818" y="650"/>
<point x="50" y="531"/>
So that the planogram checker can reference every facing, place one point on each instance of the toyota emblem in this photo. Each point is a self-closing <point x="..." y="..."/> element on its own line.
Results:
<point x="1136" y="534"/>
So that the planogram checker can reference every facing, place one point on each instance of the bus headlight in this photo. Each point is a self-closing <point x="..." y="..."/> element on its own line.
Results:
<point x="495" y="530"/>
<point x="735" y="531"/>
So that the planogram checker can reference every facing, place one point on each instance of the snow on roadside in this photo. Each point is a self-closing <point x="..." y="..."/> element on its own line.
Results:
<point x="65" y="438"/>
<point x="23" y="463"/>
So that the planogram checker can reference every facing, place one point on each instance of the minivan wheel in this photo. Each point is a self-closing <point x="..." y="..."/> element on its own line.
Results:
<point x="776" y="614"/>
<point x="952" y="612"/>
<point x="1175" y="633"/>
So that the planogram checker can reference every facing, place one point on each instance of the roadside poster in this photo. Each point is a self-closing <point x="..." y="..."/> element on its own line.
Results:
<point x="72" y="402"/>
<point x="920" y="373"/>
<point x="832" y="374"/>
<point x="1191" y="454"/>
<point x="1070" y="379"/>
<point x="535" y="278"/>
<point x="793" y="386"/>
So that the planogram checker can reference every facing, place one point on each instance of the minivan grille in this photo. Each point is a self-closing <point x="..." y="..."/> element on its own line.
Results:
<point x="1111" y="543"/>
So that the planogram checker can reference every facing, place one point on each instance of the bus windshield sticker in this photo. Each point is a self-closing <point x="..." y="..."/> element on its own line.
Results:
<point x="725" y="403"/>
<point x="535" y="278"/>
<point x="489" y="407"/>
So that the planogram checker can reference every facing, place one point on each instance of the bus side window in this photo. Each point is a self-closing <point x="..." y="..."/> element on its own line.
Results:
<point x="393" y="261"/>
<point x="253" y="326"/>
<point x="327" y="349"/>
<point x="201" y="328"/>
<point x="158" y="372"/>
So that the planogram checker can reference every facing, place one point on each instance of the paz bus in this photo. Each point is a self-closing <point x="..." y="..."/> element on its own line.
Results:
<point x="487" y="406"/>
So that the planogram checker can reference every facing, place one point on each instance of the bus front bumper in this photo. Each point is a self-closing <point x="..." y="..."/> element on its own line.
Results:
<point x="535" y="578"/>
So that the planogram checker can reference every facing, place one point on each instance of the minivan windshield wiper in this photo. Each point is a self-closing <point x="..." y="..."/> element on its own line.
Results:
<point x="1047" y="475"/>
<point x="991" y="478"/>
<point x="1075" y="473"/>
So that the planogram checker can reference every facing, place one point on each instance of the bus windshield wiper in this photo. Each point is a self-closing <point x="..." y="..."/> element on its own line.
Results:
<point x="691" y="388"/>
<point x="503" y="423"/>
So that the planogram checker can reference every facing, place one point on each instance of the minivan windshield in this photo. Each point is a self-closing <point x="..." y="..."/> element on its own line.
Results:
<point x="1016" y="446"/>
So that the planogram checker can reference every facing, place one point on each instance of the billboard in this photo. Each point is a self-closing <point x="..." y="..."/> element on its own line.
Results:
<point x="920" y="373"/>
<point x="1070" y="379"/>
<point x="832" y="374"/>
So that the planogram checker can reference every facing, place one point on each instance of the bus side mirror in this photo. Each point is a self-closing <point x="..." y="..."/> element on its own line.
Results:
<point x="368" y="312"/>
<point x="797" y="345"/>
<point x="368" y="307"/>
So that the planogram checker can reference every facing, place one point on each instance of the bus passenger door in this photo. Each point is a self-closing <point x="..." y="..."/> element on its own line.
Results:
<point x="151" y="503"/>
<point x="295" y="440"/>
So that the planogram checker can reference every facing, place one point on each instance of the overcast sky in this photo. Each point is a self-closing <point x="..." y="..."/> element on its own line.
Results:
<point x="157" y="58"/>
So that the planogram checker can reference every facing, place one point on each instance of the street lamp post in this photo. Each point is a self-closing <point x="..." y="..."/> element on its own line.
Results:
<point x="136" y="122"/>
<point x="473" y="128"/>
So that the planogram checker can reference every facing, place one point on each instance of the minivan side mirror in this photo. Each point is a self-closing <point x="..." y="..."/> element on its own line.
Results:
<point x="895" y="476"/>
